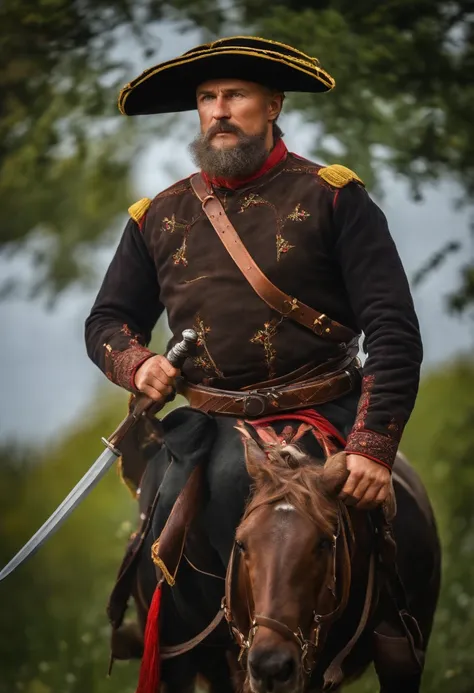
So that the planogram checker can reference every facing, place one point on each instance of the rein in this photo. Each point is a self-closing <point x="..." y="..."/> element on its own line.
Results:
<point x="171" y="651"/>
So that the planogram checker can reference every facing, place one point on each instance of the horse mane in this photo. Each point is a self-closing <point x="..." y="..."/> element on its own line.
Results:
<point x="286" y="473"/>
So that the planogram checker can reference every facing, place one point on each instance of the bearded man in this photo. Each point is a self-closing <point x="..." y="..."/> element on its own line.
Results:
<point x="312" y="230"/>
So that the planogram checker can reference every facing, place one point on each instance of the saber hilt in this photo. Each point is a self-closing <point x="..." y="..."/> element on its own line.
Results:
<point x="177" y="355"/>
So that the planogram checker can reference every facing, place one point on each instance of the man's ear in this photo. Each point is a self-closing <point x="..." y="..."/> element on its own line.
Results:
<point x="275" y="104"/>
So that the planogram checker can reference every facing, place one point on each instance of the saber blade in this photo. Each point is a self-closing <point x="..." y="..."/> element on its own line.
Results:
<point x="90" y="479"/>
<point x="177" y="355"/>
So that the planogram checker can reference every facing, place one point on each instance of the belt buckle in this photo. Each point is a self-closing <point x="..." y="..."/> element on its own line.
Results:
<point x="256" y="402"/>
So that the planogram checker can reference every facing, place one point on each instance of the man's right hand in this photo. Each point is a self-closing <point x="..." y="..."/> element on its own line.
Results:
<point x="155" y="378"/>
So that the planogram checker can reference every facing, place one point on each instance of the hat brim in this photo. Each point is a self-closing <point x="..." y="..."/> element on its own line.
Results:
<point x="171" y="86"/>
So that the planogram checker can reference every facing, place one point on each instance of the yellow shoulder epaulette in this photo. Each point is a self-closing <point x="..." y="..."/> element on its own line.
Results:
<point x="137" y="211"/>
<point x="338" y="176"/>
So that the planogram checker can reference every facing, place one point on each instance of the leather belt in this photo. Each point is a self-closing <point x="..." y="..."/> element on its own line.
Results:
<point x="270" y="400"/>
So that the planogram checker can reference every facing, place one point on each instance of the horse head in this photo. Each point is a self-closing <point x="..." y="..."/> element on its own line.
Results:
<point x="289" y="576"/>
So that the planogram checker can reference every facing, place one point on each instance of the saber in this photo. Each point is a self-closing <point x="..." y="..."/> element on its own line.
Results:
<point x="176" y="356"/>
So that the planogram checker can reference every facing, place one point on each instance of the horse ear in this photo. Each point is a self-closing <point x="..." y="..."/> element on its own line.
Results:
<point x="255" y="457"/>
<point x="335" y="474"/>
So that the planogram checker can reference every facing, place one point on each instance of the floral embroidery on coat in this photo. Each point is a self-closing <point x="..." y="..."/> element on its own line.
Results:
<point x="204" y="360"/>
<point x="179" y="257"/>
<point x="265" y="337"/>
<point x="170" y="225"/>
<point x="297" y="215"/>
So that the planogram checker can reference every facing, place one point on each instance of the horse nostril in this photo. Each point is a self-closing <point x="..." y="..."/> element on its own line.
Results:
<point x="271" y="665"/>
<point x="286" y="670"/>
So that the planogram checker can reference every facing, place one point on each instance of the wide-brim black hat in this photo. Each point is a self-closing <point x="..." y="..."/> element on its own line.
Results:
<point x="171" y="86"/>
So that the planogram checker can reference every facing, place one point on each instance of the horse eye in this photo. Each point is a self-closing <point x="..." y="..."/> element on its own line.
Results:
<point x="240" y="545"/>
<point x="324" y="544"/>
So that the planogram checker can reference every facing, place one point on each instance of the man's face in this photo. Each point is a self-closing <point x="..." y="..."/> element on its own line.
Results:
<point x="237" y="106"/>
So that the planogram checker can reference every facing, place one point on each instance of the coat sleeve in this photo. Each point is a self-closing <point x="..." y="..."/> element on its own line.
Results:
<point x="125" y="311"/>
<point x="381" y="300"/>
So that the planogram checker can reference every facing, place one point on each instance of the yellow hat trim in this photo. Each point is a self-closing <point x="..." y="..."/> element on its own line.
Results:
<point x="138" y="210"/>
<point x="338" y="176"/>
<point x="215" y="43"/>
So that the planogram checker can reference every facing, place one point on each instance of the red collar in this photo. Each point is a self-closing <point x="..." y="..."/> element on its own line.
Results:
<point x="277" y="154"/>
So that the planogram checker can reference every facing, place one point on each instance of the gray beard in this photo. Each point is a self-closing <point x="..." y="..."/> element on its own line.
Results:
<point x="239" y="161"/>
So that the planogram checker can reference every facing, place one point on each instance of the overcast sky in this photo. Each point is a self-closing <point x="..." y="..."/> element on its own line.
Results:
<point x="46" y="378"/>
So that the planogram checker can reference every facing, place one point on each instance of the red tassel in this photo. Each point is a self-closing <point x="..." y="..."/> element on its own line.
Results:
<point x="149" y="679"/>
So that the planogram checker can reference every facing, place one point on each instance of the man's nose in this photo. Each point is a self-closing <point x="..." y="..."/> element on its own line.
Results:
<point x="221" y="108"/>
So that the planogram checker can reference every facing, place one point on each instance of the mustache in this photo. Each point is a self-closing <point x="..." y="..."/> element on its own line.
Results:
<point x="223" y="126"/>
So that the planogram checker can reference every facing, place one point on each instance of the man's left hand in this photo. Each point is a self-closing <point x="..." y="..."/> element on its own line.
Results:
<point x="367" y="485"/>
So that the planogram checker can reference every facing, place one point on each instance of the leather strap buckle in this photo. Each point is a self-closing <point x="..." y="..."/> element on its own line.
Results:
<point x="256" y="403"/>
<point x="322" y="325"/>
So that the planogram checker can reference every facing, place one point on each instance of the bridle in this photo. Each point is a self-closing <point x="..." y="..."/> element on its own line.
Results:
<point x="342" y="546"/>
<point x="320" y="623"/>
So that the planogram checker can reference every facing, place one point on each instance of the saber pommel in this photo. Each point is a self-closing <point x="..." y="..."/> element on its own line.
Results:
<point x="178" y="354"/>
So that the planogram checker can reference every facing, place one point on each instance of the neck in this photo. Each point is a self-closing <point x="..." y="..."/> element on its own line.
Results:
<point x="275" y="155"/>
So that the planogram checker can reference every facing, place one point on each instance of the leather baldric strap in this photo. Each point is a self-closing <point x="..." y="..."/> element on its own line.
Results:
<point x="296" y="310"/>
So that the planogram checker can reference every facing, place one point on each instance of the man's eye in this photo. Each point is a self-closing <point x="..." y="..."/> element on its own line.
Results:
<point x="206" y="97"/>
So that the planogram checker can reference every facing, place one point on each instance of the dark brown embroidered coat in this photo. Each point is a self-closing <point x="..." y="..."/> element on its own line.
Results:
<point x="329" y="247"/>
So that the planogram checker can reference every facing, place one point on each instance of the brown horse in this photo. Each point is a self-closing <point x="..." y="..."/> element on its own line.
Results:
<point x="305" y="598"/>
<point x="307" y="594"/>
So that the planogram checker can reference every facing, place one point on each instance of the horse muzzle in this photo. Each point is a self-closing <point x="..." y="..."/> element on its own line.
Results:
<point x="274" y="670"/>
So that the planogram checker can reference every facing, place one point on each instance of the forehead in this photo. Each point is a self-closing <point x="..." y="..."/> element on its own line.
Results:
<point x="280" y="521"/>
<point x="229" y="84"/>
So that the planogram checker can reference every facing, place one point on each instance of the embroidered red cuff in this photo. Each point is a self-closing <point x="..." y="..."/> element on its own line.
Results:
<point x="122" y="365"/>
<point x="374" y="446"/>
<point x="147" y="356"/>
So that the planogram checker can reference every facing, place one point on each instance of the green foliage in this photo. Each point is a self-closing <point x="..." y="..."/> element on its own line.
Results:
<point x="441" y="436"/>
<point x="65" y="154"/>
<point x="53" y="629"/>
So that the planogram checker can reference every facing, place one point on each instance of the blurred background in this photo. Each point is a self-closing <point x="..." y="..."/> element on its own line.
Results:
<point x="400" y="116"/>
